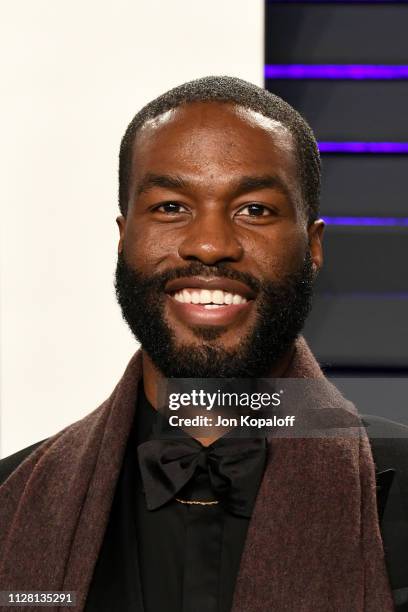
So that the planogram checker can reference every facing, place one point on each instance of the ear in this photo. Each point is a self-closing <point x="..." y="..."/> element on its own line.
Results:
<point x="121" y="221"/>
<point x="315" y="232"/>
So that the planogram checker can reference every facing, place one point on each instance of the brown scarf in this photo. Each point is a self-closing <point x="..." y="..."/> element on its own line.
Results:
<point x="313" y="542"/>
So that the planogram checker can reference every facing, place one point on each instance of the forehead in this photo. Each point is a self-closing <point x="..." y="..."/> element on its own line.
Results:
<point x="213" y="139"/>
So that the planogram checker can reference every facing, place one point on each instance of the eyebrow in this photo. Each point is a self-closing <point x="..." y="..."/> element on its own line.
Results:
<point x="166" y="181"/>
<point x="246" y="184"/>
<point x="254" y="183"/>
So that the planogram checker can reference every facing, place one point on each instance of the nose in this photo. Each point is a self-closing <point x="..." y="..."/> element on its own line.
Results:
<point x="210" y="238"/>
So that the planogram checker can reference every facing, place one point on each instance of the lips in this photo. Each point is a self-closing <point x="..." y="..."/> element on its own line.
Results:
<point x="209" y="301"/>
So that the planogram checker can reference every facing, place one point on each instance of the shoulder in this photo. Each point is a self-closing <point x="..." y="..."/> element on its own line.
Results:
<point x="10" y="463"/>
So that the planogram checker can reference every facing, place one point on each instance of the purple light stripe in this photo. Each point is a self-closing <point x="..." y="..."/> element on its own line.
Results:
<point x="363" y="147"/>
<point x="336" y="71"/>
<point x="368" y="221"/>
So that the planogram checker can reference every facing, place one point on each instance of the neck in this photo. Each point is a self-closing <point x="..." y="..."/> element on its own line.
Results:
<point x="152" y="377"/>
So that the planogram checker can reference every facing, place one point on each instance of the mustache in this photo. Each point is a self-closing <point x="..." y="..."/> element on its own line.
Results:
<point x="195" y="268"/>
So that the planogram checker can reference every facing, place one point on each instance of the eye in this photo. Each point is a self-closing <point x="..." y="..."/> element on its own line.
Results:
<point x="255" y="210"/>
<point x="170" y="208"/>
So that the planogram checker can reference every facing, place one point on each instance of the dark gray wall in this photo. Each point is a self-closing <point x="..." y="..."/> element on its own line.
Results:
<point x="360" y="317"/>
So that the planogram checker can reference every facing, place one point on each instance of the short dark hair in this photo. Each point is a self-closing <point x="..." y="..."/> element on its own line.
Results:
<point x="247" y="95"/>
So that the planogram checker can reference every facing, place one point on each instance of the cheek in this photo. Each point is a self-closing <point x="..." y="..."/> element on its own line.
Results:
<point x="145" y="247"/>
<point x="279" y="253"/>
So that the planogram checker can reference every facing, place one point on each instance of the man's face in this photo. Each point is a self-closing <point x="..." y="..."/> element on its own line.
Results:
<point x="215" y="264"/>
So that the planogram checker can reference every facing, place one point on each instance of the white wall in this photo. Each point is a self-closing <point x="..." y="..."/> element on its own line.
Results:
<point x="74" y="73"/>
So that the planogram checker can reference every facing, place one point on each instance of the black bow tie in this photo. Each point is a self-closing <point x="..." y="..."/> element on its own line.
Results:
<point x="234" y="468"/>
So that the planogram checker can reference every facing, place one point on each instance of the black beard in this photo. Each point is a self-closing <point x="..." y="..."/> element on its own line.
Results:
<point x="282" y="309"/>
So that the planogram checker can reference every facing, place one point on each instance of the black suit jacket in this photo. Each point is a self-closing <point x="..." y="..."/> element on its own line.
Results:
<point x="389" y="444"/>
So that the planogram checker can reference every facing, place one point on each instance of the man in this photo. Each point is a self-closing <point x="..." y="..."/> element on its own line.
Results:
<point x="219" y="245"/>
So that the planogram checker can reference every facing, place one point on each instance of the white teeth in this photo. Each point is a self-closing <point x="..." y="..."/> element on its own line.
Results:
<point x="205" y="296"/>
<point x="218" y="296"/>
<point x="208" y="298"/>
<point x="211" y="306"/>
<point x="187" y="296"/>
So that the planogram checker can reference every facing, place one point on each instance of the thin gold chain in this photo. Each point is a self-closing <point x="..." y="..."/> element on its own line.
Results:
<point x="196" y="502"/>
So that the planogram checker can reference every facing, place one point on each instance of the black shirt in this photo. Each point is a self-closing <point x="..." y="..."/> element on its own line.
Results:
<point x="177" y="558"/>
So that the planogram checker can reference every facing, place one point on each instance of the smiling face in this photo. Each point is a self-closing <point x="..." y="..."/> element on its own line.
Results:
<point x="215" y="254"/>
